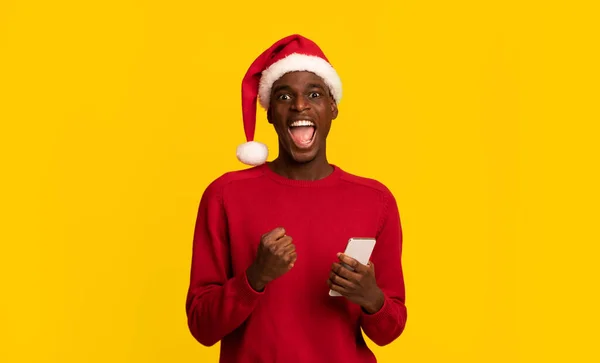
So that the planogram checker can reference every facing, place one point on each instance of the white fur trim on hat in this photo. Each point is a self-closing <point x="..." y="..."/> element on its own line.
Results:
<point x="252" y="153"/>
<point x="299" y="62"/>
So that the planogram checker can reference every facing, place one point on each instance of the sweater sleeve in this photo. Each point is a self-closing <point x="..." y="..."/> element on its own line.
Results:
<point x="387" y="324"/>
<point x="217" y="303"/>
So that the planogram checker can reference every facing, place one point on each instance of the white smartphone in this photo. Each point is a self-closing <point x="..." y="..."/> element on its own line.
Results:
<point x="360" y="249"/>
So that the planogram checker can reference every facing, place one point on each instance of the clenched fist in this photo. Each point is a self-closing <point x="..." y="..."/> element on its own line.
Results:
<point x="276" y="255"/>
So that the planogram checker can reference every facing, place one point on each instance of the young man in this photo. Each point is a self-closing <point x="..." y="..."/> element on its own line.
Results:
<point x="267" y="241"/>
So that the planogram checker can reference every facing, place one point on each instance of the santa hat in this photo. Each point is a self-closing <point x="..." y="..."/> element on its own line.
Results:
<point x="292" y="53"/>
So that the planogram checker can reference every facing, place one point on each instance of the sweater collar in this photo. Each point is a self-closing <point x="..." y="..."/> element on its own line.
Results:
<point x="329" y="180"/>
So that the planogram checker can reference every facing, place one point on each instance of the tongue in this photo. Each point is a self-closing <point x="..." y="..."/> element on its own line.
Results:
<point x="302" y="134"/>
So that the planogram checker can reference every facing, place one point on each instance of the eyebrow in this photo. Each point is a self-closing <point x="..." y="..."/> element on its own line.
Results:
<point x="286" y="87"/>
<point x="280" y="87"/>
<point x="316" y="85"/>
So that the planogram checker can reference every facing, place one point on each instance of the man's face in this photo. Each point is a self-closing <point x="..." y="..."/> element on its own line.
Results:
<point x="301" y="110"/>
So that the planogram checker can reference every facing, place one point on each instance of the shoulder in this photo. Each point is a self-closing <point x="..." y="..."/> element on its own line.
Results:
<point x="218" y="186"/>
<point x="380" y="192"/>
<point x="367" y="183"/>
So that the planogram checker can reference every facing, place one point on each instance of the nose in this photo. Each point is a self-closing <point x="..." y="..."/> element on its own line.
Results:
<point x="300" y="104"/>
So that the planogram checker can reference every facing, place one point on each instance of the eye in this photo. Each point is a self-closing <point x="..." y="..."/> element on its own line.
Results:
<point x="283" y="97"/>
<point x="315" y="94"/>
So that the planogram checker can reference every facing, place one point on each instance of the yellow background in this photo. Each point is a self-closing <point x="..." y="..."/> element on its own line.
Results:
<point x="481" y="116"/>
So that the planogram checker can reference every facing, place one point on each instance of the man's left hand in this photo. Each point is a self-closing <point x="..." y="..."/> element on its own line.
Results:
<point x="358" y="286"/>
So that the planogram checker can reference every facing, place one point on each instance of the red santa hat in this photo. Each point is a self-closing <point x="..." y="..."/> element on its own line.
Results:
<point x="292" y="53"/>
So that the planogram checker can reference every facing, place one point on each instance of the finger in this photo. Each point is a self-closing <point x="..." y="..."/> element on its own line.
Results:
<point x="288" y="246"/>
<point x="281" y="243"/>
<point x="293" y="258"/>
<point x="345" y="273"/>
<point x="275" y="234"/>
<point x="290" y="256"/>
<point x="354" y="264"/>
<point x="289" y="252"/>
<point x="341" y="281"/>
<point x="337" y="288"/>
<point x="284" y="245"/>
<point x="285" y="241"/>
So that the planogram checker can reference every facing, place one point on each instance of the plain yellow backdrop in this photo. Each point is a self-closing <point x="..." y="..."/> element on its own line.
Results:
<point x="481" y="117"/>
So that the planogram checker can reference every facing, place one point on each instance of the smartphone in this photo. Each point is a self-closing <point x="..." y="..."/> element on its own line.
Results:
<point x="360" y="249"/>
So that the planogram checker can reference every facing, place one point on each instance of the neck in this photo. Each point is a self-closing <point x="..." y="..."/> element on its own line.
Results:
<point x="316" y="169"/>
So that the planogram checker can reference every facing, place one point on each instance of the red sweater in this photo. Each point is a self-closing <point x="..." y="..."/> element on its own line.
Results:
<point x="293" y="320"/>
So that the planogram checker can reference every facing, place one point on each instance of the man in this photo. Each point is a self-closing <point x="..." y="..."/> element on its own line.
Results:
<point x="268" y="240"/>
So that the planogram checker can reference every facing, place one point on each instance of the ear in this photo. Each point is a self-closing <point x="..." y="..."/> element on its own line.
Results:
<point x="334" y="110"/>
<point x="269" y="115"/>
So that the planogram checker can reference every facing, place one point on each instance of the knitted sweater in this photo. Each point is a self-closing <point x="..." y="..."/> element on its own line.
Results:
<point x="293" y="320"/>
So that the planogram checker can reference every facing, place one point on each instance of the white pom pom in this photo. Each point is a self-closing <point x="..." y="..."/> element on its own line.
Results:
<point x="252" y="153"/>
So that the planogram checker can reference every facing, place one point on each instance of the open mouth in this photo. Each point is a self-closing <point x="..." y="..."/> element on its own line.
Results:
<point x="303" y="133"/>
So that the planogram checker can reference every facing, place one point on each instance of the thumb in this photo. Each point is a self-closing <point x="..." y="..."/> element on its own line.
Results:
<point x="372" y="266"/>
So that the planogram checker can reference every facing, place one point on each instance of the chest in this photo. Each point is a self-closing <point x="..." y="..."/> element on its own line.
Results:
<point x="319" y="222"/>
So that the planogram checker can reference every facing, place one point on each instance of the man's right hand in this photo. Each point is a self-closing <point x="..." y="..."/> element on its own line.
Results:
<point x="276" y="255"/>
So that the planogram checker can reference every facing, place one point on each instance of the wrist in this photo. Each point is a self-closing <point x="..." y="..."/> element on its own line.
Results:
<point x="376" y="303"/>
<point x="254" y="279"/>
